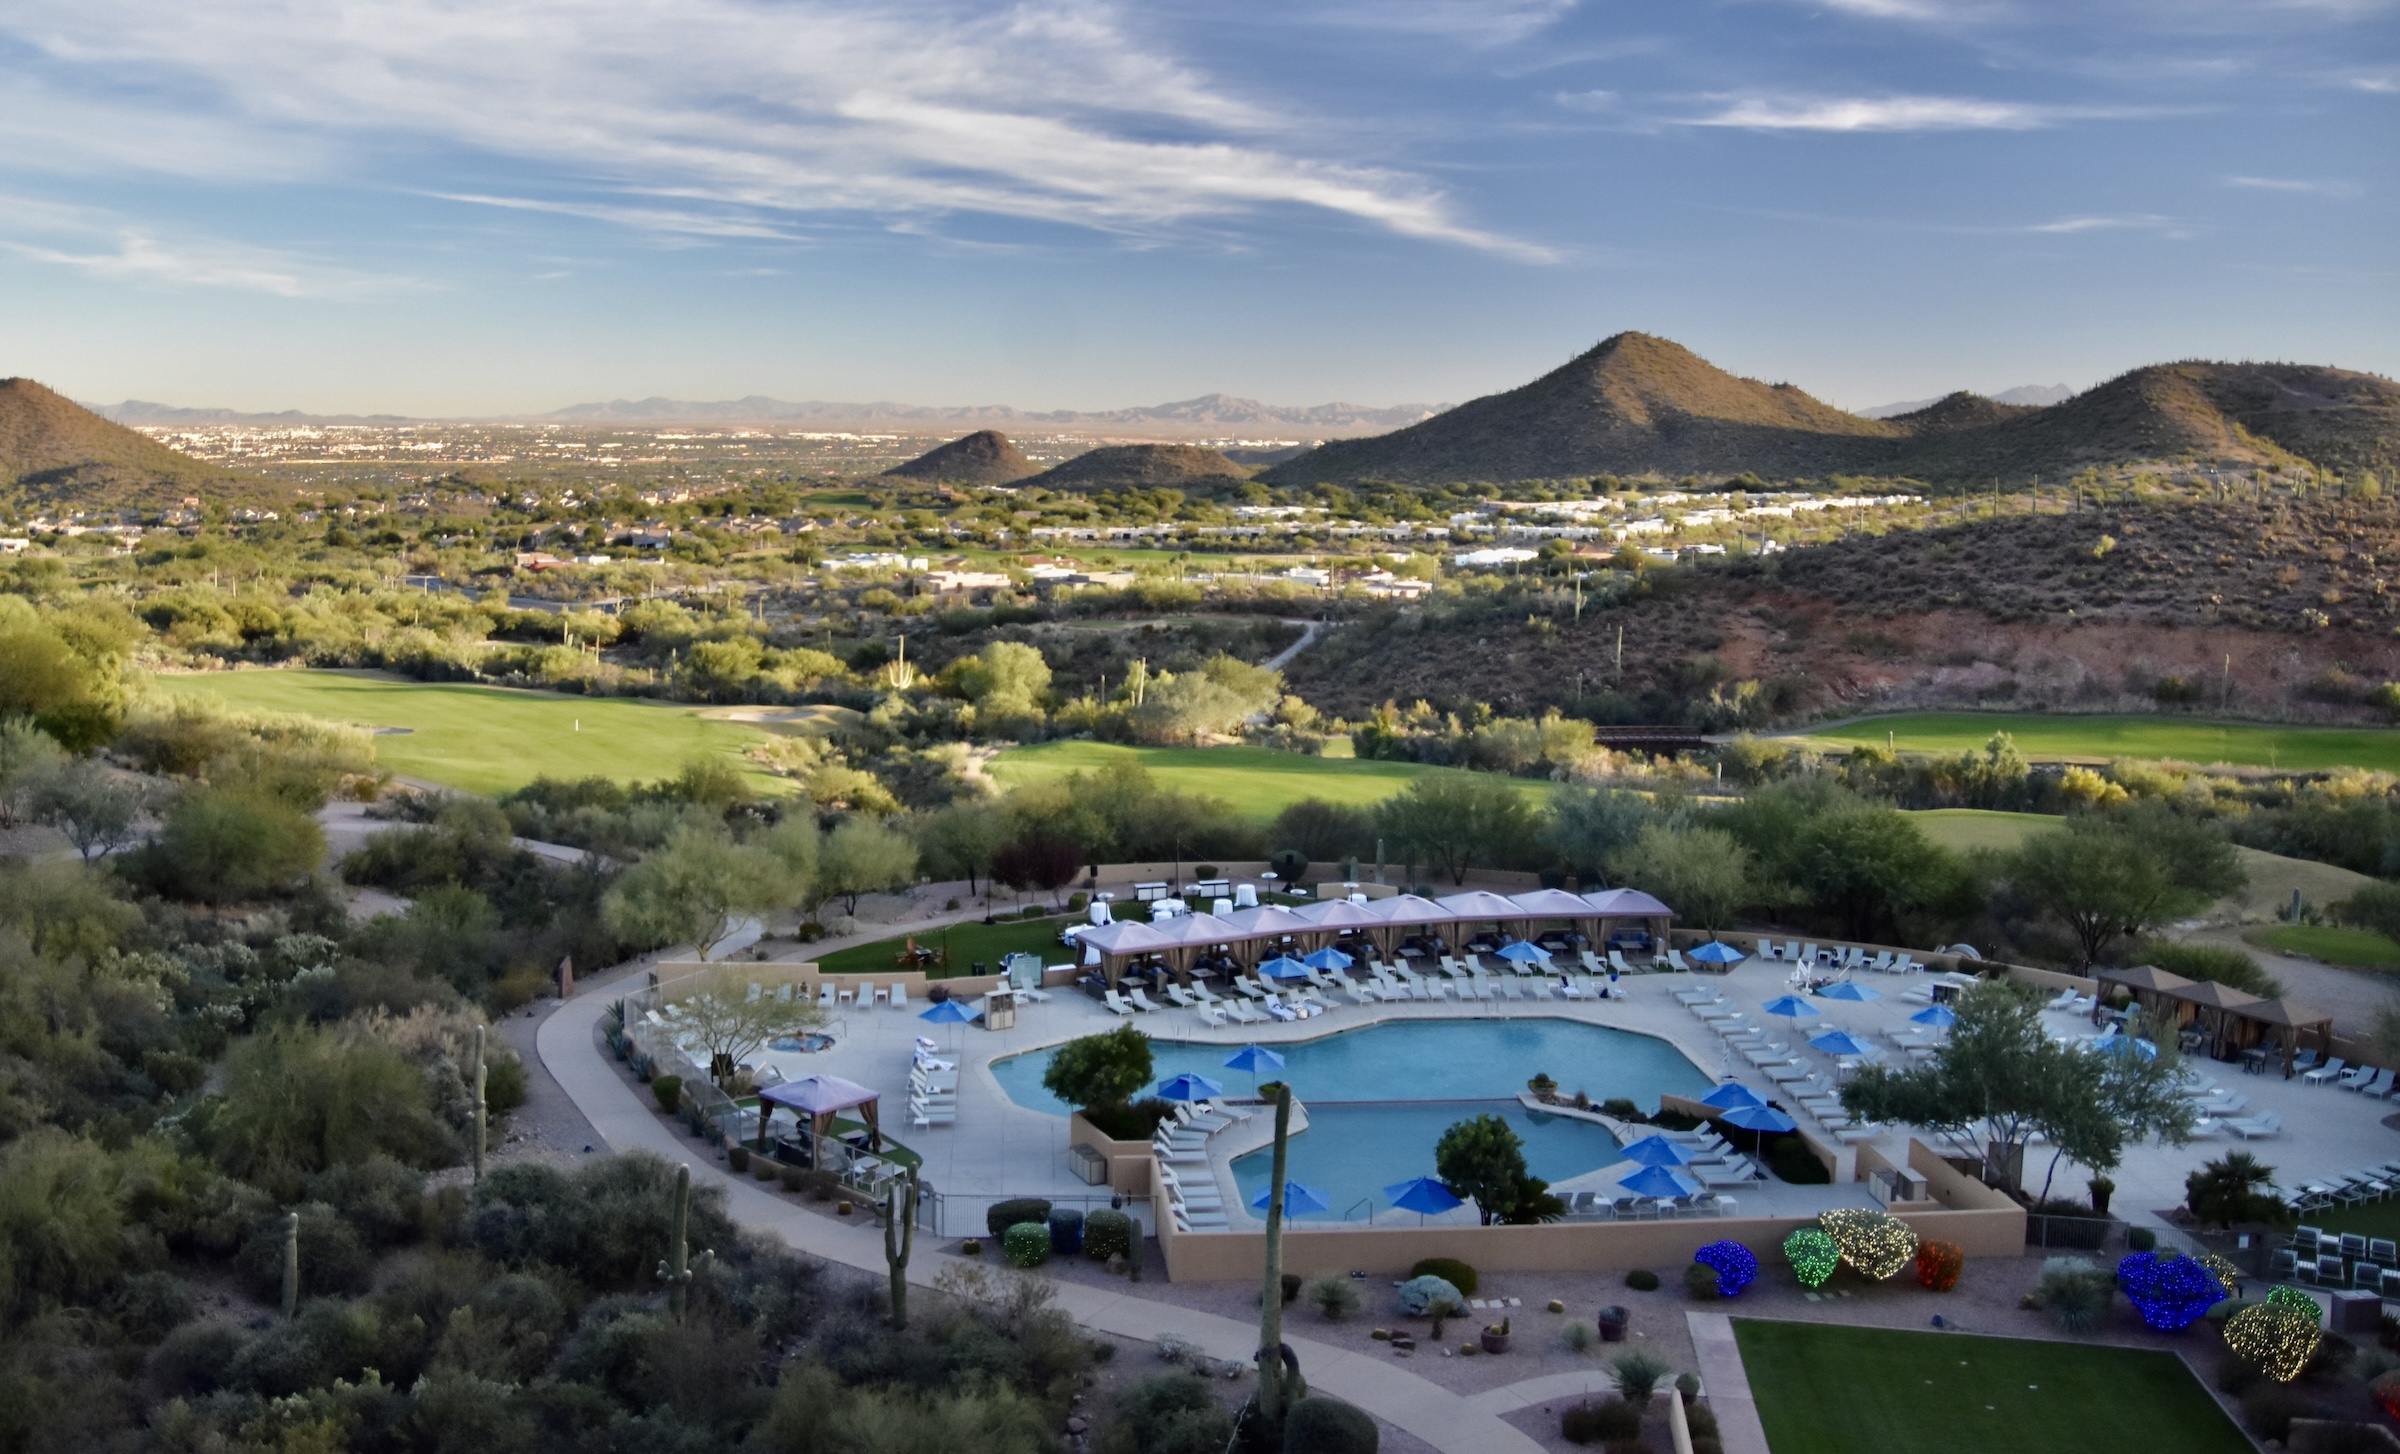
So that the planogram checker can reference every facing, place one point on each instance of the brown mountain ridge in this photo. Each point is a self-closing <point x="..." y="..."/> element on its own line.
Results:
<point x="1641" y="405"/>
<point x="986" y="457"/>
<point x="56" y="453"/>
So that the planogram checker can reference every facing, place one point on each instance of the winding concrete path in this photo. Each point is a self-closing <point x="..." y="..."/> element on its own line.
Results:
<point x="1450" y="1422"/>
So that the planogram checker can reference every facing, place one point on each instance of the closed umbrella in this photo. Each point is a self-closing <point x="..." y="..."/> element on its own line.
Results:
<point x="1792" y="1007"/>
<point x="1188" y="1087"/>
<point x="1423" y="1195"/>
<point x="1841" y="1042"/>
<point x="1717" y="951"/>
<point x="1298" y="1200"/>
<point x="1659" y="1151"/>
<point x="1731" y="1094"/>
<point x="1941" y="1017"/>
<point x="1659" y="1181"/>
<point x="1759" y="1118"/>
<point x="1847" y="991"/>
<point x="1326" y="958"/>
<point x="1254" y="1058"/>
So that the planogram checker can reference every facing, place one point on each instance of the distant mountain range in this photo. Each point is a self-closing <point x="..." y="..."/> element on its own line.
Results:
<point x="1639" y="405"/>
<point x="2036" y="395"/>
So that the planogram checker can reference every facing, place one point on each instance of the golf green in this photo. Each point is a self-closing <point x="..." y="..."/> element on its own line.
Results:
<point x="2243" y="744"/>
<point x="1258" y="782"/>
<point x="490" y="739"/>
<point x="1830" y="1389"/>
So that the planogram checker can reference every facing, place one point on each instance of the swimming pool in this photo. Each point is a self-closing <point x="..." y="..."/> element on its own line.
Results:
<point x="1378" y="1097"/>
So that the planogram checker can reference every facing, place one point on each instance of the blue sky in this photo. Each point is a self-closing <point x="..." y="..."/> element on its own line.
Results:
<point x="471" y="206"/>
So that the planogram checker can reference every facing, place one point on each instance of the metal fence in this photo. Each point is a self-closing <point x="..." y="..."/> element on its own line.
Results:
<point x="2086" y="1234"/>
<point x="962" y="1214"/>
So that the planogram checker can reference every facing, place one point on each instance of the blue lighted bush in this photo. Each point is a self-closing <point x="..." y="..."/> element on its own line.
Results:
<point x="2171" y="1293"/>
<point x="1735" y="1267"/>
<point x="1066" y="1231"/>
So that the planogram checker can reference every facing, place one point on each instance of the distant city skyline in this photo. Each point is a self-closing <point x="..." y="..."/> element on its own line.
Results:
<point x="437" y="208"/>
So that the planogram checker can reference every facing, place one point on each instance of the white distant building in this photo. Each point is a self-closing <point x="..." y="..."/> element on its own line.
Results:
<point x="1493" y="555"/>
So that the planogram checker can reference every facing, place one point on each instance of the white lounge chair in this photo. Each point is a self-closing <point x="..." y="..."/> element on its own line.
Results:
<point x="1141" y="1001"/>
<point x="2378" y="1085"/>
<point x="824" y="994"/>
<point x="2328" y="1071"/>
<point x="2253" y="1128"/>
<point x="1116" y="1002"/>
<point x="1244" y="1013"/>
<point x="2357" y="1078"/>
<point x="2065" y="998"/>
<point x="1675" y="958"/>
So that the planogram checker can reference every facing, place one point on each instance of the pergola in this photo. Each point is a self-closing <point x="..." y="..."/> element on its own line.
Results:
<point x="1245" y="932"/>
<point x="819" y="1098"/>
<point x="2147" y="983"/>
<point x="2213" y="1004"/>
<point x="2286" y="1020"/>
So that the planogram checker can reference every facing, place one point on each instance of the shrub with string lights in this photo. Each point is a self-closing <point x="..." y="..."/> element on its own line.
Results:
<point x="2385" y="1390"/>
<point x="1939" y="1264"/>
<point x="2228" y="1276"/>
<point x="1735" y="1267"/>
<point x="1878" y="1244"/>
<point x="1812" y="1255"/>
<point x="2171" y="1293"/>
<point x="2277" y="1335"/>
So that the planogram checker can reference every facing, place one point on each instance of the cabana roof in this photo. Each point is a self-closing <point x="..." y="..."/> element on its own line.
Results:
<point x="2214" y="995"/>
<point x="1627" y="904"/>
<point x="1271" y="919"/>
<point x="1553" y="904"/>
<point x="2143" y="977"/>
<point x="1125" y="936"/>
<point x="1337" y="914"/>
<point x="1409" y="909"/>
<point x="2283" y="1012"/>
<point x="1185" y="930"/>
<point x="820" y="1095"/>
<point x="1476" y="905"/>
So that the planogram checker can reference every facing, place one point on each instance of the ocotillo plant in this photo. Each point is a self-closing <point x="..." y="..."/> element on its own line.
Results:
<point x="899" y="1240"/>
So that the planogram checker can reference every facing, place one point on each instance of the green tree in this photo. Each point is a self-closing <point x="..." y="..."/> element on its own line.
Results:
<point x="2106" y="878"/>
<point x="1451" y="821"/>
<point x="225" y="846"/>
<point x="960" y="841"/>
<point x="729" y="1022"/>
<point x="1587" y="827"/>
<point x="864" y="856"/>
<point x="1006" y="679"/>
<point x="1099" y="1071"/>
<point x="1481" y="1159"/>
<point x="1323" y="832"/>
<point x="300" y="1100"/>
<point x="695" y="889"/>
<point x="44" y="678"/>
<point x="28" y="758"/>
<point x="1703" y="874"/>
<point x="1870" y="868"/>
<point x="95" y="807"/>
<point x="64" y="1234"/>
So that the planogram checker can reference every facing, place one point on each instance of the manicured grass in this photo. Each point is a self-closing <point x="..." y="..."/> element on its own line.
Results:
<point x="1961" y="829"/>
<point x="2052" y="736"/>
<point x="967" y="943"/>
<point x="491" y="739"/>
<point x="2367" y="1219"/>
<point x="2356" y="948"/>
<point x="1828" y="1389"/>
<point x="1257" y="781"/>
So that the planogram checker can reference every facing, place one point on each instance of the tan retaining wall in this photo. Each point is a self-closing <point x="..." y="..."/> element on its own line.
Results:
<point x="1130" y="1163"/>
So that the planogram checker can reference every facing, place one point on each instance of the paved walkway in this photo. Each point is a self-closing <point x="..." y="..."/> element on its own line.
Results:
<point x="1447" y="1421"/>
<point x="1725" y="1384"/>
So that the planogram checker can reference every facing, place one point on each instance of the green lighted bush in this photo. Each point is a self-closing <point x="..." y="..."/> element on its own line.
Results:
<point x="1107" y="1234"/>
<point x="1027" y="1244"/>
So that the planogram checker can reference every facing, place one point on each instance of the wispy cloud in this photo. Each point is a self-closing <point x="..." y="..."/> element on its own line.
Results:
<point x="1477" y="22"/>
<point x="1888" y="113"/>
<point x="2319" y="186"/>
<point x="1058" y="113"/>
<point x="2143" y="221"/>
<point x="104" y="244"/>
<point x="644" y="219"/>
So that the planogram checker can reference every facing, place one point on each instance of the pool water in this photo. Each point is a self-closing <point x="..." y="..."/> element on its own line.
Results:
<point x="1379" y="1097"/>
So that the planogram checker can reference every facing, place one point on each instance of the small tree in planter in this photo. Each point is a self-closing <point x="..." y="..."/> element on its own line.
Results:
<point x="1101" y="1074"/>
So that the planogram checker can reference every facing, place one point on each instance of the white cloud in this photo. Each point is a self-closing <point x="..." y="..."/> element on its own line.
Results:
<point x="644" y="219"/>
<point x="106" y="245"/>
<point x="1477" y="22"/>
<point x="1055" y="112"/>
<point x="2147" y="221"/>
<point x="2319" y="186"/>
<point x="1881" y="113"/>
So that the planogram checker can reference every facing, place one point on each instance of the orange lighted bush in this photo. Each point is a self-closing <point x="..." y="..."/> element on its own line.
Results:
<point x="1939" y="1264"/>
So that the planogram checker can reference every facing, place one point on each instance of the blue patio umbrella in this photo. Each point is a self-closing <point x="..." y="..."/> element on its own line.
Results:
<point x="1759" y="1118"/>
<point x="1423" y="1195"/>
<point x="1525" y="953"/>
<point x="1717" y="951"/>
<point x="1254" y="1058"/>
<point x="1847" y="991"/>
<point x="1298" y="1200"/>
<point x="1841" y="1042"/>
<point x="948" y="1012"/>
<point x="1792" y="1007"/>
<point x="1659" y="1151"/>
<point x="1326" y="958"/>
<point x="1188" y="1087"/>
<point x="1659" y="1181"/>
<point x="1283" y="966"/>
<point x="1731" y="1094"/>
<point x="1941" y="1017"/>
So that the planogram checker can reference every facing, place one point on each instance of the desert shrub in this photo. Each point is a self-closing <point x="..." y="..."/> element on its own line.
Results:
<point x="1621" y="1108"/>
<point x="1335" y="1295"/>
<point x="1291" y="1283"/>
<point x="1001" y="1216"/>
<point x="299" y="1100"/>
<point x="149" y="1305"/>
<point x="1066" y="1230"/>
<point x="1700" y="1280"/>
<point x="669" y="1090"/>
<point x="2141" y="1239"/>
<point x="1449" y="1270"/>
<point x="2237" y="1375"/>
<point x="605" y="1221"/>
<point x="192" y="1360"/>
<point x="1642" y="1279"/>
<point x="2233" y="968"/>
<point x="1420" y="1293"/>
<point x="1790" y="1159"/>
<point x="1601" y="1423"/>
<point x="1636" y="1374"/>
<point x="1174" y="1413"/>
<point x="1321" y="1425"/>
<point x="737" y="1159"/>
<point x="333" y="1257"/>
<point x="1579" y="1336"/>
<point x="1027" y="1244"/>
<point x="2076" y="1293"/>
<point x="382" y="1199"/>
<point x="1939" y="1264"/>
<point x="1107" y="1234"/>
<point x="2269" y="1408"/>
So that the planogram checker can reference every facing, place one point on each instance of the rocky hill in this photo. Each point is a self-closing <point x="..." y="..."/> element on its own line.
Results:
<point x="1639" y="405"/>
<point x="985" y="457"/>
<point x="1183" y="467"/>
<point x="54" y="452"/>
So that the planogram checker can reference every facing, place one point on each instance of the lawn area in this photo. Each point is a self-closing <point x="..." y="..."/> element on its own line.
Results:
<point x="1962" y="829"/>
<point x="2244" y="744"/>
<point x="2354" y="948"/>
<point x="1257" y="781"/>
<point x="491" y="739"/>
<point x="2367" y="1219"/>
<point x="967" y="943"/>
<point x="1828" y="1389"/>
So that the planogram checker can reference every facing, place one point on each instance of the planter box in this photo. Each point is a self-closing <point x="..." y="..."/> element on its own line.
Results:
<point x="1129" y="1162"/>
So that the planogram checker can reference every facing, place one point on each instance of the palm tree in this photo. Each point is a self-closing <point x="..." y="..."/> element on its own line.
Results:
<point x="2233" y="1188"/>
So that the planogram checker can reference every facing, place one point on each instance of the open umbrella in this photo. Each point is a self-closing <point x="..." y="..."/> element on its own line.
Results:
<point x="1759" y="1118"/>
<point x="1188" y="1087"/>
<point x="1524" y="952"/>
<point x="1422" y="1195"/>
<point x="1659" y="1151"/>
<point x="1792" y="1007"/>
<point x="1326" y="958"/>
<point x="1841" y="1042"/>
<point x="1848" y="991"/>
<point x="1941" y="1017"/>
<point x="948" y="1012"/>
<point x="1717" y="951"/>
<point x="1659" y="1181"/>
<point x="1731" y="1094"/>
<point x="1298" y="1200"/>
<point x="1283" y="966"/>
<point x="1254" y="1058"/>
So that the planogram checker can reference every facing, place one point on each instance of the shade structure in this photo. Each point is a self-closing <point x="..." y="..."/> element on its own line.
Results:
<point x="1266" y="919"/>
<point x="1337" y="914"/>
<point x="1409" y="909"/>
<point x="948" y="1012"/>
<point x="1125" y="936"/>
<point x="1523" y="952"/>
<point x="1283" y="966"/>
<point x="1941" y="1017"/>
<point x="1627" y="904"/>
<point x="1759" y="1118"/>
<point x="1847" y="991"/>
<point x="1298" y="1200"/>
<point x="1731" y="1094"/>
<point x="1551" y="904"/>
<point x="1841" y="1042"/>
<point x="1792" y="1007"/>
<point x="1254" y="1058"/>
<point x="1717" y="951"/>
<point x="1423" y="1195"/>
<point x="1659" y="1151"/>
<point x="1478" y="905"/>
<point x="1188" y="1087"/>
<point x="1659" y="1181"/>
<point x="821" y="1098"/>
<point x="1326" y="958"/>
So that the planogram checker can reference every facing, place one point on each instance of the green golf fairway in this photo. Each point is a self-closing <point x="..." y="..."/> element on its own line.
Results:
<point x="1257" y="781"/>
<point x="2042" y="735"/>
<point x="1828" y="1389"/>
<point x="491" y="739"/>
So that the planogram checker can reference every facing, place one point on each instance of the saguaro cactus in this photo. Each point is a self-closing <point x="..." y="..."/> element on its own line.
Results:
<point x="291" y="1263"/>
<point x="899" y="1240"/>
<point x="676" y="1270"/>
